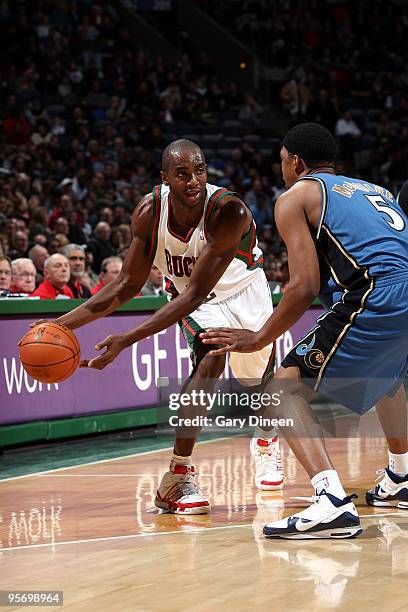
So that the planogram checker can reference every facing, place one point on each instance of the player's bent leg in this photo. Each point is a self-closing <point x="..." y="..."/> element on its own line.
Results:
<point x="178" y="492"/>
<point x="332" y="513"/>
<point x="392" y="489"/>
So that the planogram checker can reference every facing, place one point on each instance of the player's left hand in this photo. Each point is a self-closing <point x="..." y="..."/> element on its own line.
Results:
<point x="233" y="340"/>
<point x="113" y="344"/>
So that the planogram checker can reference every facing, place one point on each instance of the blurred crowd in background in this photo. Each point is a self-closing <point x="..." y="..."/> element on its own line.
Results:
<point x="85" y="114"/>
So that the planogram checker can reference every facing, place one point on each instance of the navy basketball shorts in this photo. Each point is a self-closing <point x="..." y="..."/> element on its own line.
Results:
<point x="358" y="351"/>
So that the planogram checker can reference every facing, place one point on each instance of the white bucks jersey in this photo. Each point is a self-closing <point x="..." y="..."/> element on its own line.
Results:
<point x="176" y="255"/>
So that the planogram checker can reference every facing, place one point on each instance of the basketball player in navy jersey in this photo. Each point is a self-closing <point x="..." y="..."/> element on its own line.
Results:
<point x="203" y="238"/>
<point x="347" y="237"/>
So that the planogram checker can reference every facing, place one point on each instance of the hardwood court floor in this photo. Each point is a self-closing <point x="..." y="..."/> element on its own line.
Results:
<point x="93" y="532"/>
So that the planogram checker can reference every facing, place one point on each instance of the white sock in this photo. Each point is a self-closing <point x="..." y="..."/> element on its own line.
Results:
<point x="398" y="463"/>
<point x="330" y="482"/>
<point x="179" y="460"/>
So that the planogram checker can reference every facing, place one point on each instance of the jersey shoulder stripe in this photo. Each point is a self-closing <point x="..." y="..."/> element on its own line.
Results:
<point x="245" y="251"/>
<point x="151" y="243"/>
<point x="214" y="200"/>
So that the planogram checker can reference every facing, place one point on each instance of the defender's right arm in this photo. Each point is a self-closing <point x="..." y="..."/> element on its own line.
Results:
<point x="133" y="276"/>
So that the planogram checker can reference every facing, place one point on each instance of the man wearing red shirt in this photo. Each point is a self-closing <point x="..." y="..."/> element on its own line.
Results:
<point x="56" y="273"/>
<point x="110" y="269"/>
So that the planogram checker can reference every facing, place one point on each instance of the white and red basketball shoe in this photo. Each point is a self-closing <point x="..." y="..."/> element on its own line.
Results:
<point x="268" y="463"/>
<point x="178" y="492"/>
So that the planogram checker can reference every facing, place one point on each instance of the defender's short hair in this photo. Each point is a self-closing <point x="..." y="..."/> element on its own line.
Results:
<point x="312" y="142"/>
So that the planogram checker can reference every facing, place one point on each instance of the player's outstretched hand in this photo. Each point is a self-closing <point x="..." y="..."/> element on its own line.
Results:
<point x="113" y="344"/>
<point x="232" y="340"/>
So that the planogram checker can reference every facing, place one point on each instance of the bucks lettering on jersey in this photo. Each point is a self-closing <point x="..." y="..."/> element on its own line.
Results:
<point x="176" y="256"/>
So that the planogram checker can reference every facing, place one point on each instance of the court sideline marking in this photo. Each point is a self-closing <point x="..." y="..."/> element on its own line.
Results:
<point x="162" y="533"/>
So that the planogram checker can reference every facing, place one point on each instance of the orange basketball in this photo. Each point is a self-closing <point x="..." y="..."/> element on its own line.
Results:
<point x="50" y="352"/>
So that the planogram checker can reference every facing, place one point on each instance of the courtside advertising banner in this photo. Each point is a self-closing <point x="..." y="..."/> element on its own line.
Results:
<point x="130" y="382"/>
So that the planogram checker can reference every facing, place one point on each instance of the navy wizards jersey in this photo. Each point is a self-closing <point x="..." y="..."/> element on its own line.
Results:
<point x="362" y="231"/>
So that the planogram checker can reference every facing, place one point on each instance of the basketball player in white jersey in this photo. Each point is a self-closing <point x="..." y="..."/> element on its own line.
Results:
<point x="203" y="239"/>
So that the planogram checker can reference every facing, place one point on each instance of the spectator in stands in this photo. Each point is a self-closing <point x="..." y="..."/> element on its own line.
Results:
<point x="324" y="110"/>
<point x="4" y="244"/>
<point x="53" y="245"/>
<point x="23" y="276"/>
<point x="39" y="222"/>
<point x="154" y="283"/>
<point x="5" y="274"/>
<point x="349" y="135"/>
<point x="98" y="149"/>
<point x="295" y="95"/>
<point x="54" y="285"/>
<point x="282" y="275"/>
<point x="19" y="244"/>
<point x="100" y="245"/>
<point x="106" y="215"/>
<point x="110" y="269"/>
<point x="259" y="202"/>
<point x="63" y="241"/>
<point x="347" y="127"/>
<point x="38" y="255"/>
<point x="250" y="111"/>
<point x="93" y="277"/>
<point x="76" y="257"/>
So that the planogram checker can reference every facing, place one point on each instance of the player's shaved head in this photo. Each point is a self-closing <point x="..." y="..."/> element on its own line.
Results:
<point x="185" y="173"/>
<point x="176" y="149"/>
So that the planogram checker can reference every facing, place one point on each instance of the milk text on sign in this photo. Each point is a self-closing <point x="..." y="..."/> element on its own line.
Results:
<point x="17" y="380"/>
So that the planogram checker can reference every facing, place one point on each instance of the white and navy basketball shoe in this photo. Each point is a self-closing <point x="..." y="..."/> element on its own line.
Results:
<point x="327" y="517"/>
<point x="178" y="492"/>
<point x="391" y="491"/>
<point x="268" y="463"/>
